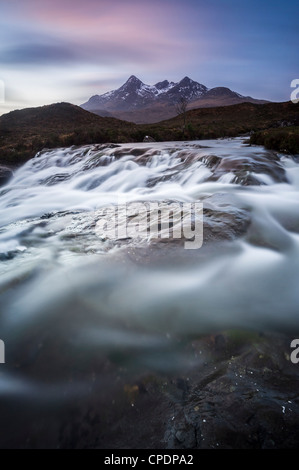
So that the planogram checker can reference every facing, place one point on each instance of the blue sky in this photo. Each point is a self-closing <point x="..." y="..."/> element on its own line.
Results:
<point x="68" y="50"/>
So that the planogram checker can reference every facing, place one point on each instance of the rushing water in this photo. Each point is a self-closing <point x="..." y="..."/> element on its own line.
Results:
<point x="71" y="300"/>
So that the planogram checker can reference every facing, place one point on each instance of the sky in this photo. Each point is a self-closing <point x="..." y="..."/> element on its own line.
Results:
<point x="69" y="50"/>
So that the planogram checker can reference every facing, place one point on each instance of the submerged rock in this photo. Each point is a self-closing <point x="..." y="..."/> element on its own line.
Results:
<point x="148" y="138"/>
<point x="244" y="395"/>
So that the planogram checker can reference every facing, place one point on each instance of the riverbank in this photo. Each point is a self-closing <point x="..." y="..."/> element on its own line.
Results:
<point x="26" y="132"/>
<point x="285" y="140"/>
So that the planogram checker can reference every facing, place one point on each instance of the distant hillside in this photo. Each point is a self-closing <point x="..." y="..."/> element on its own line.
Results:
<point x="226" y="121"/>
<point x="25" y="132"/>
<point x="137" y="102"/>
<point x="222" y="96"/>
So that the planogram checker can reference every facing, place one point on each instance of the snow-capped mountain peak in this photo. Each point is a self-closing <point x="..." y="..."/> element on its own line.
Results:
<point x="133" y="82"/>
<point x="134" y="94"/>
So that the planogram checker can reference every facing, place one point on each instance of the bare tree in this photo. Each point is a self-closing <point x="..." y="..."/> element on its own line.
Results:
<point x="181" y="109"/>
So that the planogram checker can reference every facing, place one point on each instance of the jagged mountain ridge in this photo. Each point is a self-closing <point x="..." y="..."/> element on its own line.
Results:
<point x="137" y="102"/>
<point x="135" y="94"/>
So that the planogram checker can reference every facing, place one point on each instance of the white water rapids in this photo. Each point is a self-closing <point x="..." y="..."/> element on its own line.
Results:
<point x="66" y="295"/>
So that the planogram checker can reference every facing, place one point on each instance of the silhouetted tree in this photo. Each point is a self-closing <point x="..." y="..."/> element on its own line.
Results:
<point x="181" y="109"/>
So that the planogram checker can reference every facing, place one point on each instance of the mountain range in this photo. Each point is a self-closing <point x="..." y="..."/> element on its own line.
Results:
<point x="140" y="103"/>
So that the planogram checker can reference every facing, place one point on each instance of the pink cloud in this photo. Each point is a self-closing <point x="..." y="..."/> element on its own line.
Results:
<point x="147" y="26"/>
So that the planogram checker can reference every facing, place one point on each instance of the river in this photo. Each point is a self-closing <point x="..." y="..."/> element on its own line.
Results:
<point x="85" y="315"/>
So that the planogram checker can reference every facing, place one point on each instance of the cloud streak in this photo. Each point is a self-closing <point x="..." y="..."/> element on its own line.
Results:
<point x="124" y="32"/>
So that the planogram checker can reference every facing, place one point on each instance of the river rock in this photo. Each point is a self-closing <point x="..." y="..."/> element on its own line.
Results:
<point x="147" y="138"/>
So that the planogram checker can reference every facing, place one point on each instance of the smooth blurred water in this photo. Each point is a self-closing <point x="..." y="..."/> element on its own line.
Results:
<point x="71" y="301"/>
